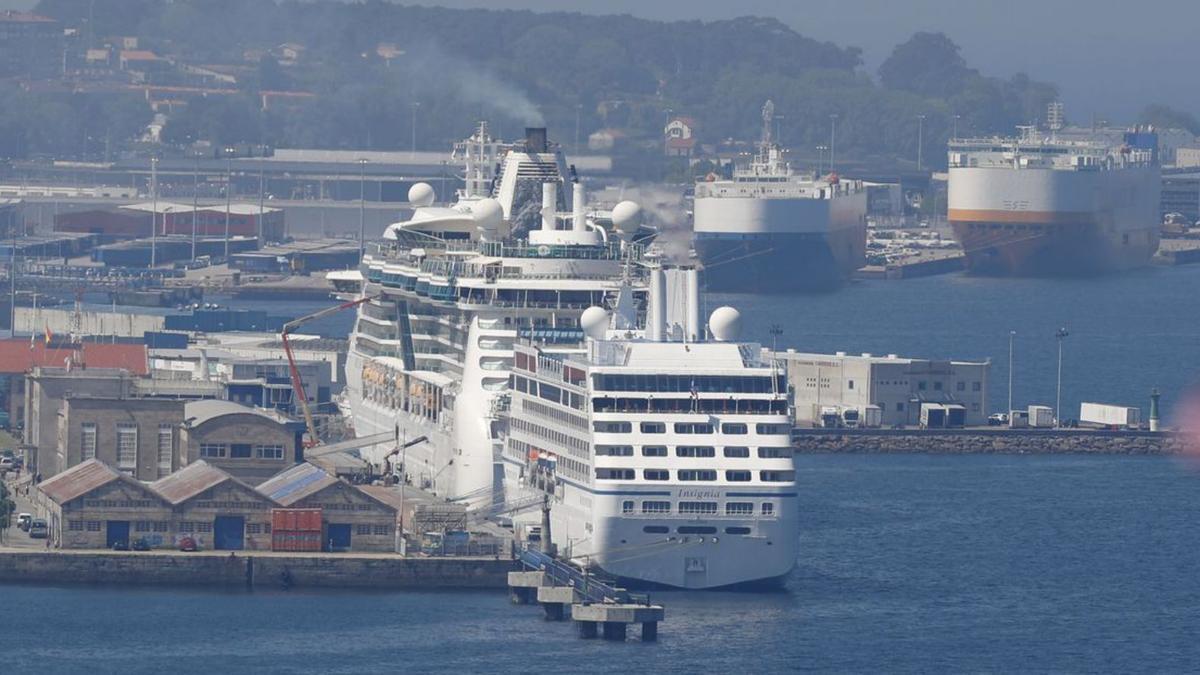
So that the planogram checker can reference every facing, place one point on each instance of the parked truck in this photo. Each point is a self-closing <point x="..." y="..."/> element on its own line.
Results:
<point x="1041" y="416"/>
<point x="1104" y="416"/>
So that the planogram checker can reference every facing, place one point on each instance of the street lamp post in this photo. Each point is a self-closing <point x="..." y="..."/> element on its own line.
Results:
<point x="195" y="203"/>
<point x="153" y="212"/>
<point x="362" y="206"/>
<point x="261" y="190"/>
<point x="920" y="139"/>
<point x="954" y="133"/>
<point x="228" y="196"/>
<point x="832" y="139"/>
<point x="415" y="105"/>
<point x="1012" y="334"/>
<point x="1060" y="335"/>
<point x="821" y="158"/>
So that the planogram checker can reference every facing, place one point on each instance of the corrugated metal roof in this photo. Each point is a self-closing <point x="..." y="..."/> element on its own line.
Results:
<point x="78" y="481"/>
<point x="296" y="483"/>
<point x="22" y="355"/>
<point x="190" y="481"/>
<point x="206" y="410"/>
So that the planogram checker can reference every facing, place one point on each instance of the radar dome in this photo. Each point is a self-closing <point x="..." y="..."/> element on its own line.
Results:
<point x="488" y="215"/>
<point x="421" y="194"/>
<point x="594" y="322"/>
<point x="627" y="218"/>
<point x="725" y="324"/>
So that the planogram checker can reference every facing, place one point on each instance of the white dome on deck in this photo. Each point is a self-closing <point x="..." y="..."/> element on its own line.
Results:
<point x="488" y="215"/>
<point x="421" y="194"/>
<point x="594" y="322"/>
<point x="725" y="324"/>
<point x="627" y="218"/>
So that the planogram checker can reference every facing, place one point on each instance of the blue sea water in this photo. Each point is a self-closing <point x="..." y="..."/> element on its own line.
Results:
<point x="908" y="564"/>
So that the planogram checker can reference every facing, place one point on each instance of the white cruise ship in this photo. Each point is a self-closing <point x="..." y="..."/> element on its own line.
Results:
<point x="666" y="455"/>
<point x="768" y="228"/>
<point x="453" y="287"/>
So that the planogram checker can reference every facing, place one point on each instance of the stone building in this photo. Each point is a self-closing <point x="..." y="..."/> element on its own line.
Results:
<point x="252" y="444"/>
<point x="45" y="391"/>
<point x="352" y="520"/>
<point x="897" y="386"/>
<point x="137" y="436"/>
<point x="92" y="505"/>
<point x="217" y="510"/>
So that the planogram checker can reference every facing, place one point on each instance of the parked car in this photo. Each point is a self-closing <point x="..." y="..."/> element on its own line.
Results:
<point x="23" y="521"/>
<point x="188" y="544"/>
<point x="997" y="419"/>
<point x="140" y="544"/>
<point x="8" y="463"/>
<point x="38" y="529"/>
<point x="120" y="545"/>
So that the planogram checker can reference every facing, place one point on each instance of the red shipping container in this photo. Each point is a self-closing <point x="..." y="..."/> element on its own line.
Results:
<point x="296" y="520"/>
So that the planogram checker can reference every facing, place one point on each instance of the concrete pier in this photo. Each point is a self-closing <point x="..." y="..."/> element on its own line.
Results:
<point x="555" y="600"/>
<point x="523" y="586"/>
<point x="988" y="440"/>
<point x="612" y="620"/>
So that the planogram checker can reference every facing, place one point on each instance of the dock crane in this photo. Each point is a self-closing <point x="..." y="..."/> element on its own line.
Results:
<point x="297" y="384"/>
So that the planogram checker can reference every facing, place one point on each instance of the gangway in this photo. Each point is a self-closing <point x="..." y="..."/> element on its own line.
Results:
<point x="590" y="588"/>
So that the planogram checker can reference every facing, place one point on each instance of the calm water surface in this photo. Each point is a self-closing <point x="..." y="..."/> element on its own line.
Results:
<point x="908" y="564"/>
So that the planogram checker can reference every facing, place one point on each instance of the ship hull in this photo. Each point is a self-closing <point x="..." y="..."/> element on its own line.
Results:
<point x="1047" y="250"/>
<point x="1054" y="222"/>
<point x="780" y="263"/>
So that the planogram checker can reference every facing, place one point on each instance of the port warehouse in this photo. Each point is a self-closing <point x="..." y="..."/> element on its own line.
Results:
<point x="92" y="506"/>
<point x="896" y="390"/>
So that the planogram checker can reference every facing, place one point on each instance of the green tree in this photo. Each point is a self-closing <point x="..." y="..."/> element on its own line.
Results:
<point x="928" y="64"/>
<point x="7" y="507"/>
<point x="1166" y="117"/>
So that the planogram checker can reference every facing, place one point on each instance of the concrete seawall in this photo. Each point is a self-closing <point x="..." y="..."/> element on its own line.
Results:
<point x="980" y="441"/>
<point x="252" y="571"/>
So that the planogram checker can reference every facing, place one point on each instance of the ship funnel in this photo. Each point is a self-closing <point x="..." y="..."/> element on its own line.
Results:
<point x="656" y="312"/>
<point x="535" y="139"/>
<point x="579" y="221"/>
<point x="692" y="281"/>
<point x="549" y="205"/>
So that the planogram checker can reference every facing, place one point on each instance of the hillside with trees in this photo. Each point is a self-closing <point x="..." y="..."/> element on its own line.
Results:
<point x="372" y="66"/>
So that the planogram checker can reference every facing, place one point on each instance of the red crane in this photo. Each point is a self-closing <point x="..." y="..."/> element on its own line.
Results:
<point x="297" y="384"/>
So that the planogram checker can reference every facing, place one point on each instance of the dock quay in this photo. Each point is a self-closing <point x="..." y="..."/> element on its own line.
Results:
<point x="986" y="440"/>
<point x="1178" y="252"/>
<point x="922" y="264"/>
<point x="598" y="608"/>
<point x="254" y="570"/>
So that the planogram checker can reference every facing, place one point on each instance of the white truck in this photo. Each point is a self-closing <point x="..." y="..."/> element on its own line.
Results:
<point x="1104" y="416"/>
<point x="1041" y="416"/>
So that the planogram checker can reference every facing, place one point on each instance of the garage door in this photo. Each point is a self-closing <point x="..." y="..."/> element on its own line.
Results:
<point x="337" y="536"/>
<point x="114" y="531"/>
<point x="228" y="533"/>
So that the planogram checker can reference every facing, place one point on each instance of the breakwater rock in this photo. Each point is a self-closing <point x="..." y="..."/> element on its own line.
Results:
<point x="987" y="441"/>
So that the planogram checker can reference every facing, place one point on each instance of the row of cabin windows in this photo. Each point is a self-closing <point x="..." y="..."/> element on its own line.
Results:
<point x="690" y="405"/>
<point x="706" y="384"/>
<point x="732" y="451"/>
<point x="658" y="507"/>
<point x="696" y="475"/>
<point x="733" y="428"/>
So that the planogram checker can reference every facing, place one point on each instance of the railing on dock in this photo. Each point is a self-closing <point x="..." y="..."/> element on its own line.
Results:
<point x="590" y="588"/>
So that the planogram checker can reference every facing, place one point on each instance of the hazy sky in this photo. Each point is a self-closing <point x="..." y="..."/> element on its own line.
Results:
<point x="1109" y="57"/>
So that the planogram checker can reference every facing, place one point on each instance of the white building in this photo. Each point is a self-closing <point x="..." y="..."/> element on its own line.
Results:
<point x="897" y="386"/>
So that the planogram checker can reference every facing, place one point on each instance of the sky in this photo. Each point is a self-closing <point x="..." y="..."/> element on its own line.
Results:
<point x="1109" y="57"/>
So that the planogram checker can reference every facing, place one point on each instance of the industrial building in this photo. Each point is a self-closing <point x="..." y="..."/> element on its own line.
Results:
<point x="133" y="221"/>
<point x="352" y="519"/>
<point x="251" y="444"/>
<point x="46" y="390"/>
<point x="92" y="505"/>
<point x="137" y="436"/>
<point x="1181" y="194"/>
<point x="215" y="509"/>
<point x="891" y="389"/>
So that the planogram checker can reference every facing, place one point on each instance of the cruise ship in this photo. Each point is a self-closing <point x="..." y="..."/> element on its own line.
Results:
<point x="1045" y="204"/>
<point x="770" y="229"/>
<point x="453" y="287"/>
<point x="665" y="453"/>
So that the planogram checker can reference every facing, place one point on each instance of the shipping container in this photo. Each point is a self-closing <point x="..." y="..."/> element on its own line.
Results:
<point x="294" y="540"/>
<point x="1109" y="416"/>
<point x="1041" y="416"/>
<point x="296" y="520"/>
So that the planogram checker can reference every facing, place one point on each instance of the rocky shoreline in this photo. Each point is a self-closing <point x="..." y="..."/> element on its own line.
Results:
<point x="968" y="441"/>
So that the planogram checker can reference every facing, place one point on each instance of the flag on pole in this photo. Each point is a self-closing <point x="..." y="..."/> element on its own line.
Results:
<point x="49" y="335"/>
